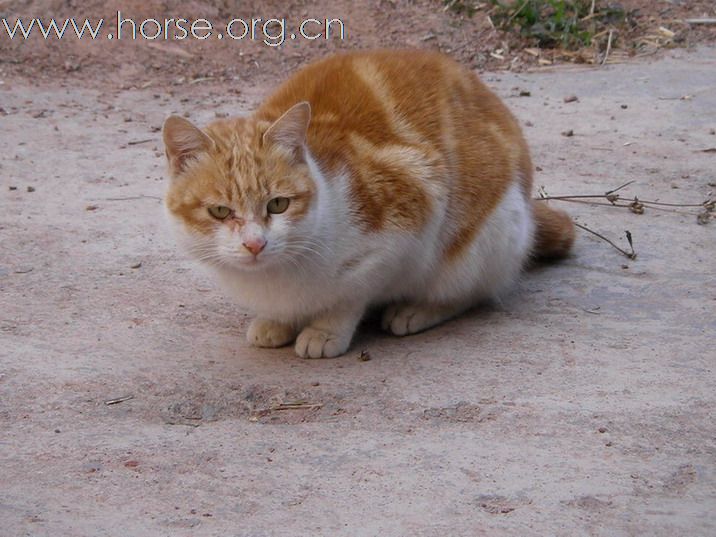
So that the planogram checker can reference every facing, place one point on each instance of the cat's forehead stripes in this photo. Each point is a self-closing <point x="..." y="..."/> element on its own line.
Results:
<point x="251" y="173"/>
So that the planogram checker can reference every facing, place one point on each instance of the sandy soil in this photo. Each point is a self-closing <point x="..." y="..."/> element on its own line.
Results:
<point x="582" y="405"/>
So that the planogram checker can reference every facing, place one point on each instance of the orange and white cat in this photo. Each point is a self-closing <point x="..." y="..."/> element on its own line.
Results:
<point x="385" y="178"/>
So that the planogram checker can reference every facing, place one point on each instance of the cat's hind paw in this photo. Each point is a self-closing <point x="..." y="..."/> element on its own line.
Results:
<point x="315" y="343"/>
<point x="266" y="333"/>
<point x="404" y="319"/>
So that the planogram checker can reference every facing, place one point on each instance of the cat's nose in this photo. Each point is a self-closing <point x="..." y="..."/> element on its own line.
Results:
<point x="255" y="246"/>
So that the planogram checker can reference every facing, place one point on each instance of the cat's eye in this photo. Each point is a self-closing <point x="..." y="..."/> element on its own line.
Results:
<point x="219" y="212"/>
<point x="277" y="205"/>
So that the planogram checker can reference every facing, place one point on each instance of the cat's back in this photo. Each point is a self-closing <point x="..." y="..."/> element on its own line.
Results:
<point x="388" y="96"/>
<point x="410" y="127"/>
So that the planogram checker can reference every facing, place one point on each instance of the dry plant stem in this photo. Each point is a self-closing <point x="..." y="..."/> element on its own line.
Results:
<point x="617" y="189"/>
<point x="619" y="198"/>
<point x="297" y="406"/>
<point x="630" y="255"/>
<point x="609" y="46"/>
<point x="700" y="21"/>
<point x="116" y="400"/>
<point x="611" y="204"/>
<point x="613" y="199"/>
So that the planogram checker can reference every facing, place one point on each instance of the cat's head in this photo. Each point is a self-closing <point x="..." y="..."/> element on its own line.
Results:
<point x="241" y="191"/>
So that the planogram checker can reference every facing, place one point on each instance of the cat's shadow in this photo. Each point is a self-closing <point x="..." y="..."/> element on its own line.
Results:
<point x="370" y="335"/>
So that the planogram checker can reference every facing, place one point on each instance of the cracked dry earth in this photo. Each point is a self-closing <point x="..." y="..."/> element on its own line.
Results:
<point x="582" y="405"/>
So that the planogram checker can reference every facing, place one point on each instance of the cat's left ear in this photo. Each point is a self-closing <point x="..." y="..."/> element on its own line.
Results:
<point x="289" y="131"/>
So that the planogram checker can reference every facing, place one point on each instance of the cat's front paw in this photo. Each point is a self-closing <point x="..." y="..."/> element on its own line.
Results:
<point x="265" y="333"/>
<point x="315" y="343"/>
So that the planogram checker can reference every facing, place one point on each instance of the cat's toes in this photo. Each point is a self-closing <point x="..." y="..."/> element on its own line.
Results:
<point x="265" y="333"/>
<point x="314" y="343"/>
<point x="404" y="319"/>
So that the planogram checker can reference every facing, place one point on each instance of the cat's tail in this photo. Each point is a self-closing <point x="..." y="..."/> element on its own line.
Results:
<point x="555" y="232"/>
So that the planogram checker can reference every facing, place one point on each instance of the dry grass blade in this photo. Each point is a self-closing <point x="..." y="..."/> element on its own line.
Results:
<point x="609" y="47"/>
<point x="117" y="400"/>
<point x="297" y="405"/>
<point x="700" y="21"/>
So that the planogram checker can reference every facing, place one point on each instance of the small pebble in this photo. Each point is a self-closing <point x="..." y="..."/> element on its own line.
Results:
<point x="624" y="107"/>
<point x="568" y="133"/>
<point x="12" y="188"/>
<point x="30" y="188"/>
<point x="571" y="99"/>
<point x="136" y="265"/>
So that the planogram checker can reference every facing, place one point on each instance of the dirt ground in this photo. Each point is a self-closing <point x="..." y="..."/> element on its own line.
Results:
<point x="130" y="403"/>
<point x="193" y="65"/>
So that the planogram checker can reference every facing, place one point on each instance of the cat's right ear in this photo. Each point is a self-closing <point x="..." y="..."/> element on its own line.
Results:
<point x="183" y="141"/>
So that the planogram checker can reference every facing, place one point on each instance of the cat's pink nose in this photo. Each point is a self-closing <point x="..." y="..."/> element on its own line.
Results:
<point x="255" y="245"/>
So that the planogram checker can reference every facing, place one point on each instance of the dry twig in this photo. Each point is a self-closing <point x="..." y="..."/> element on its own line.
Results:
<point x="297" y="405"/>
<point x="700" y="21"/>
<point x="630" y="255"/>
<point x="116" y="400"/>
<point x="636" y="206"/>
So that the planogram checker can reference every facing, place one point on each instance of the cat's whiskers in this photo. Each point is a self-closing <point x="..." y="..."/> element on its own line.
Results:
<point x="298" y="266"/>
<point x="312" y="246"/>
<point x="309" y="254"/>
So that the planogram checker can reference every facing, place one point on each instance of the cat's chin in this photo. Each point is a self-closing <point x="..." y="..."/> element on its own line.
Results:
<point x="249" y="264"/>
